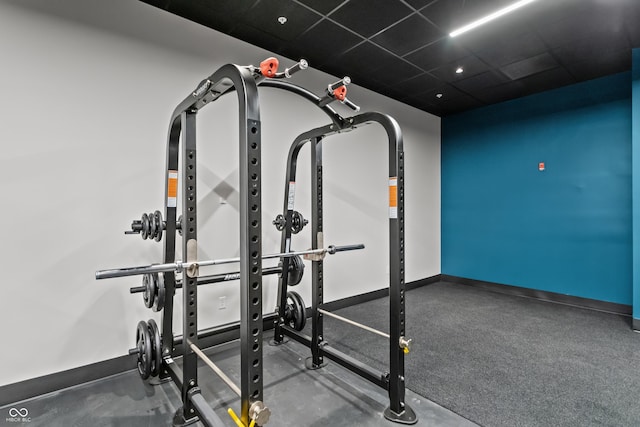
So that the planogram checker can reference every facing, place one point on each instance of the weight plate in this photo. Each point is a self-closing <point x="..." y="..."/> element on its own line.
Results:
<point x="279" y="222"/>
<point x="160" y="225"/>
<point x="296" y="315"/>
<point x="143" y="343"/>
<point x="153" y="226"/>
<point x="297" y="222"/>
<point x="156" y="348"/>
<point x="145" y="226"/>
<point x="296" y="270"/>
<point x="158" y="280"/>
<point x="149" y="294"/>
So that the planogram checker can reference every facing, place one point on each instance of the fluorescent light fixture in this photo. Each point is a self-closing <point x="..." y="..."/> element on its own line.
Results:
<point x="494" y="15"/>
<point x="459" y="70"/>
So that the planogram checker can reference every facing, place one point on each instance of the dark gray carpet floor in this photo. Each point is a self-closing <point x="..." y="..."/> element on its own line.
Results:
<point x="501" y="360"/>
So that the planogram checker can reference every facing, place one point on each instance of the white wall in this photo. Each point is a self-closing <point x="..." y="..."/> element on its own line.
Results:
<point x="87" y="88"/>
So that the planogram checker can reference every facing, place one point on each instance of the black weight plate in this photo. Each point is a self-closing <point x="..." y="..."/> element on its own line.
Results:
<point x="152" y="225"/>
<point x="298" y="311"/>
<point x="143" y="343"/>
<point x="156" y="348"/>
<point x="149" y="294"/>
<point x="145" y="226"/>
<point x="296" y="270"/>
<point x="159" y="225"/>
<point x="158" y="280"/>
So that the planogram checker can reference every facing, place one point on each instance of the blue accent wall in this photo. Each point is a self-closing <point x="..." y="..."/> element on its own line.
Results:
<point x="567" y="229"/>
<point x="635" y="89"/>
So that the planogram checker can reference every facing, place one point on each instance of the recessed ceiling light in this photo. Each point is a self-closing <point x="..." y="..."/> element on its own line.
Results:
<point x="438" y="95"/>
<point x="491" y="17"/>
<point x="282" y="20"/>
<point x="459" y="70"/>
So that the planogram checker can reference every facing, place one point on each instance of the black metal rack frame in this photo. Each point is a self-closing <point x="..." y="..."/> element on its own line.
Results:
<point x="182" y="144"/>
<point x="394" y="380"/>
<point x="181" y="167"/>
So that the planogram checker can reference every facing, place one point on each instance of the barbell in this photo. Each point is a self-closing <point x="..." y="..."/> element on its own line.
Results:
<point x="192" y="266"/>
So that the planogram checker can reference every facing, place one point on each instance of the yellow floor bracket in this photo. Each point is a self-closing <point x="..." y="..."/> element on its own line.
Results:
<point x="235" y="419"/>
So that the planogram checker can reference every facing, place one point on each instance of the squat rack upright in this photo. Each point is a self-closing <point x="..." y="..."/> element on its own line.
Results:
<point x="182" y="143"/>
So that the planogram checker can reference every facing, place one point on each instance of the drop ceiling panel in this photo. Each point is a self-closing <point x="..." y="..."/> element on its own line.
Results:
<point x="475" y="84"/>
<point x="516" y="47"/>
<point x="324" y="43"/>
<point x="470" y="66"/>
<point x="322" y="6"/>
<point x="529" y="66"/>
<point x="437" y="54"/>
<point x="265" y="14"/>
<point x="367" y="17"/>
<point x="609" y="63"/>
<point x="401" y="48"/>
<point x="419" y="4"/>
<point x="408" y="35"/>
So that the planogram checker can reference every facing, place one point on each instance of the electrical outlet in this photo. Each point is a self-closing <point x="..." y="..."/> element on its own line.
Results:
<point x="222" y="303"/>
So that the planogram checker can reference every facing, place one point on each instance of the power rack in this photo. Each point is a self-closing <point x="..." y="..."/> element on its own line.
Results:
<point x="157" y="348"/>
<point x="394" y="380"/>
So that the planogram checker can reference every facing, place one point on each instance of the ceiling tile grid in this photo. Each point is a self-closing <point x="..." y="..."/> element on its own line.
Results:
<point x="402" y="48"/>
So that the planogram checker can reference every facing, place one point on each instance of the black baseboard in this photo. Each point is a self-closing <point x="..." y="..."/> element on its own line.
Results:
<point x="380" y="293"/>
<point x="28" y="389"/>
<point x="592" y="304"/>
<point x="635" y="324"/>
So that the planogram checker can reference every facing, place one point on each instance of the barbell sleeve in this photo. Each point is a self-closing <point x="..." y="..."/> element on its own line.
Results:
<point x="333" y="249"/>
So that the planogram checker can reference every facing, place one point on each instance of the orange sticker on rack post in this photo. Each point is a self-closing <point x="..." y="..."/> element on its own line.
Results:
<point x="393" y="197"/>
<point x="172" y="189"/>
